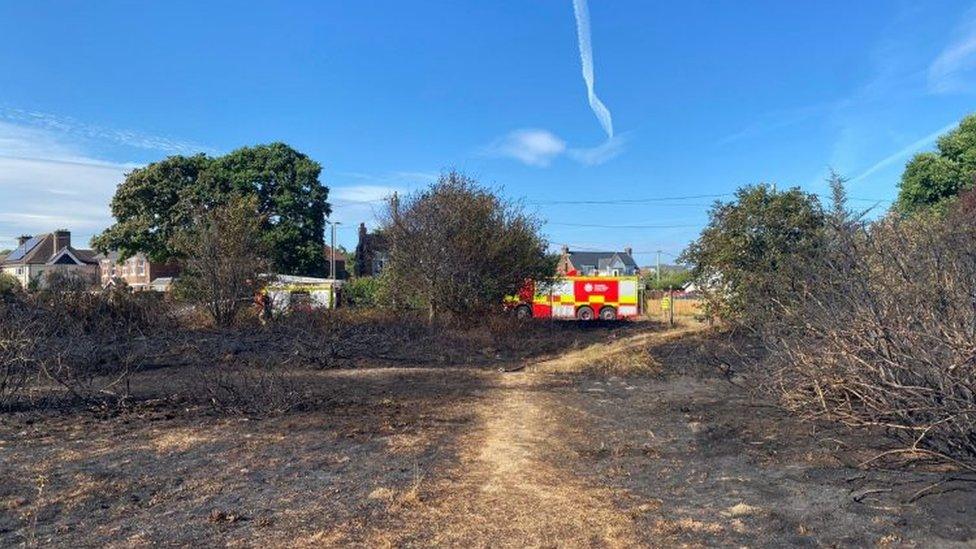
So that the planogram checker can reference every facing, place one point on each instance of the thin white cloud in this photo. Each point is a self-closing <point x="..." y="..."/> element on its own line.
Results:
<point x="534" y="147"/>
<point x="604" y="152"/>
<point x="582" y="13"/>
<point x="538" y="147"/>
<point x="69" y="127"/>
<point x="904" y="152"/>
<point x="47" y="183"/>
<point x="361" y="203"/>
<point x="950" y="69"/>
<point x="361" y="193"/>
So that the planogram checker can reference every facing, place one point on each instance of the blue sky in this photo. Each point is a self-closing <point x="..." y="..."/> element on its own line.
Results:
<point x="703" y="96"/>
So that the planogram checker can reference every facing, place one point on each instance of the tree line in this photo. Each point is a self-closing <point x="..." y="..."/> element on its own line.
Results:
<point x="234" y="221"/>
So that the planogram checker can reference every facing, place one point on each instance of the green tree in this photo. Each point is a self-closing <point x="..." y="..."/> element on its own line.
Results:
<point x="458" y="247"/>
<point x="290" y="198"/>
<point x="671" y="277"/>
<point x="156" y="203"/>
<point x="153" y="204"/>
<point x="755" y="248"/>
<point x="933" y="178"/>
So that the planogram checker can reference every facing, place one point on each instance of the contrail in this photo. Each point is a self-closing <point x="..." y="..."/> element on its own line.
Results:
<point x="586" y="57"/>
<point x="905" y="152"/>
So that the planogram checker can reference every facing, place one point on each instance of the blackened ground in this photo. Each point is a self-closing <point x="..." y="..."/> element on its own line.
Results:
<point x="629" y="437"/>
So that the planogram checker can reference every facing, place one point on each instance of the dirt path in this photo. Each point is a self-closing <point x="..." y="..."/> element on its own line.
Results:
<point x="516" y="483"/>
<point x="508" y="490"/>
<point x="531" y="495"/>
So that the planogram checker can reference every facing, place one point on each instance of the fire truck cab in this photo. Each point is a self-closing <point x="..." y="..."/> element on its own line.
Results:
<point x="579" y="297"/>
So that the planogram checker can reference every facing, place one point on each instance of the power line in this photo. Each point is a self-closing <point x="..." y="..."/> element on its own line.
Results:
<point x="626" y="200"/>
<point x="617" y="202"/>
<point x="598" y="226"/>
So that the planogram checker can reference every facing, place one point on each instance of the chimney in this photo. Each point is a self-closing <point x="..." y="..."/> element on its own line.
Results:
<point x="628" y="250"/>
<point x="22" y="239"/>
<point x="565" y="249"/>
<point x="62" y="239"/>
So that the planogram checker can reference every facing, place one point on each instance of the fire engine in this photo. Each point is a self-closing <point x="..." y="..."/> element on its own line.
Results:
<point x="580" y="297"/>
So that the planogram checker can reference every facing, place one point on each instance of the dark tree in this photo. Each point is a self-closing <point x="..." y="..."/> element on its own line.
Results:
<point x="156" y="203"/>
<point x="755" y="248"/>
<point x="458" y="247"/>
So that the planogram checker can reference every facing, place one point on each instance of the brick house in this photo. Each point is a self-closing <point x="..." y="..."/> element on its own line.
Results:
<point x="597" y="263"/>
<point x="138" y="272"/>
<point x="38" y="256"/>
<point x="372" y="252"/>
<point x="340" y="261"/>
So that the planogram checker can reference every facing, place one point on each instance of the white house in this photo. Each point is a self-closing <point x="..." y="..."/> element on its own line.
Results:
<point x="36" y="256"/>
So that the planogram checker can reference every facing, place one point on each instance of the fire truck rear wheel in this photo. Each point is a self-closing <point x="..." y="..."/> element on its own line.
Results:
<point x="523" y="311"/>
<point x="584" y="313"/>
<point x="608" y="313"/>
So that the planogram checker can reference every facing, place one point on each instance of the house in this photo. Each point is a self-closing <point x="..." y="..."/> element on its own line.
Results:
<point x="38" y="256"/>
<point x="597" y="263"/>
<point x="340" y="262"/>
<point x="138" y="272"/>
<point x="372" y="252"/>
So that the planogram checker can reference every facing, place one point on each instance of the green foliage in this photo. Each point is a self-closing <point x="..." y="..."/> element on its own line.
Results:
<point x="156" y="203"/>
<point x="8" y="284"/>
<point x="932" y="179"/>
<point x="363" y="291"/>
<point x="458" y="247"/>
<point x="754" y="247"/>
<point x="670" y="278"/>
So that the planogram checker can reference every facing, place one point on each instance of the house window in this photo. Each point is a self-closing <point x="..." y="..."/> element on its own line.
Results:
<point x="20" y="271"/>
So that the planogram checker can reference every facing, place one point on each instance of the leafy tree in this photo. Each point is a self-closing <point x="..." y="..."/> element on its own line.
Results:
<point x="933" y="178"/>
<point x="670" y="278"/>
<point x="458" y="247"/>
<point x="223" y="255"/>
<point x="754" y="249"/>
<point x="156" y="203"/>
<point x="290" y="198"/>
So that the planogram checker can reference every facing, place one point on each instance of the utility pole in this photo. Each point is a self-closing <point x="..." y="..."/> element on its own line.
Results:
<point x="657" y="271"/>
<point x="332" y="262"/>
<point x="670" y="306"/>
<point x="332" y="266"/>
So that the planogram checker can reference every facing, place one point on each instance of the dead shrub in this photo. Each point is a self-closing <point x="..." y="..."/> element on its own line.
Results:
<point x="250" y="389"/>
<point x="86" y="343"/>
<point x="883" y="333"/>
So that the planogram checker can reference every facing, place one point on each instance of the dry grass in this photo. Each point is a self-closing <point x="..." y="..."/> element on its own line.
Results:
<point x="683" y="308"/>
<point x="630" y="356"/>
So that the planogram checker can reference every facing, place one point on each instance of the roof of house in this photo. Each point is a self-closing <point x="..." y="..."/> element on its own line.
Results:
<point x="69" y="255"/>
<point x="600" y="259"/>
<point x="339" y="254"/>
<point x="40" y="250"/>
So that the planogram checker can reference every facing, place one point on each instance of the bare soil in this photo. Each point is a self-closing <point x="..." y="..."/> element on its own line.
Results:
<point x="629" y="438"/>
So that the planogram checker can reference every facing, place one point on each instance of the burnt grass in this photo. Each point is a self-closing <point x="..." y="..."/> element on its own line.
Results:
<point x="690" y="454"/>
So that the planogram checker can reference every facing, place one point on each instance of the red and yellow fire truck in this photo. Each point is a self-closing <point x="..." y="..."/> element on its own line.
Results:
<point x="580" y="297"/>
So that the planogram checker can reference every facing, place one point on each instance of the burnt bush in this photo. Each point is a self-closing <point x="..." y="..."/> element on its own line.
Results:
<point x="85" y="343"/>
<point x="882" y="331"/>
